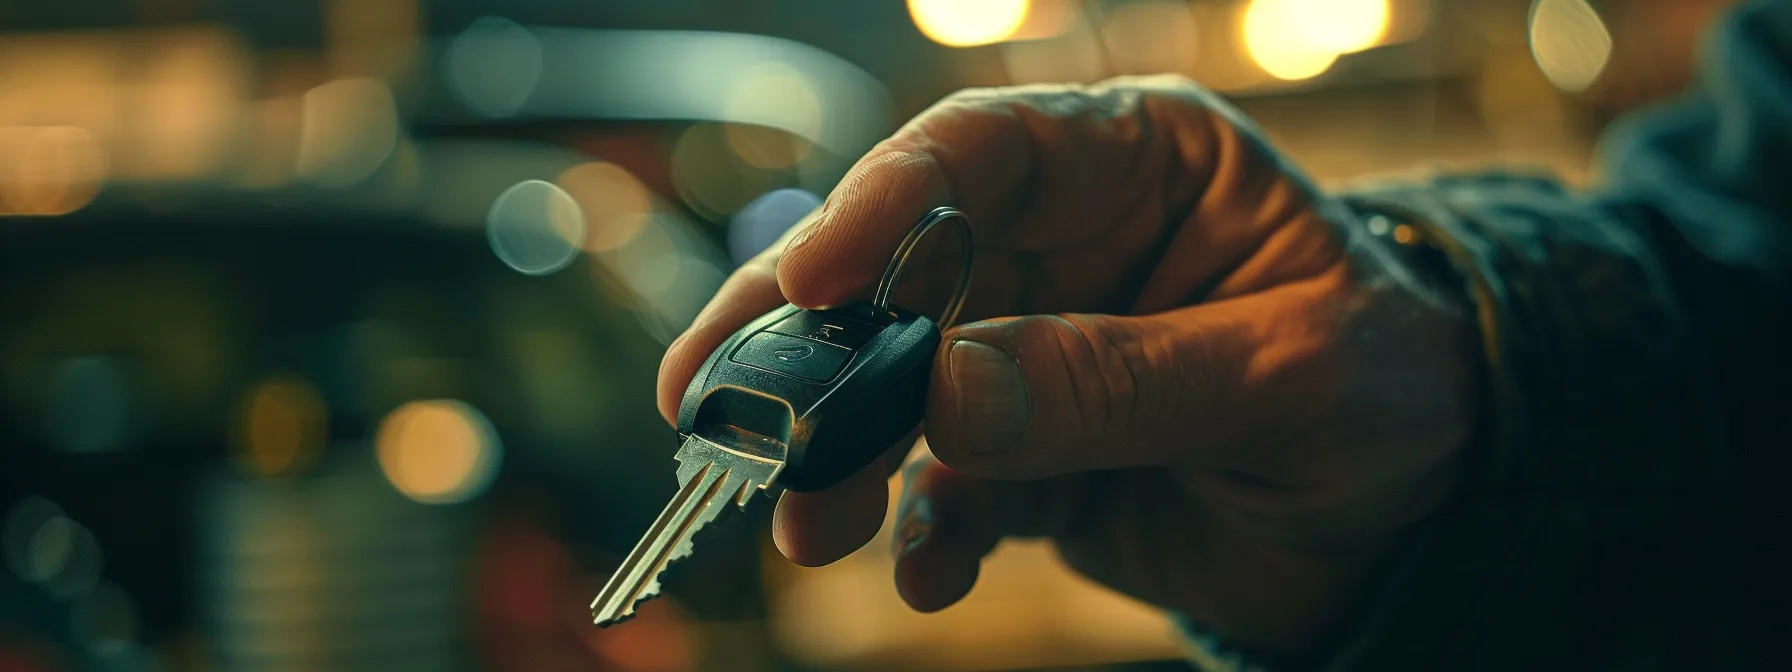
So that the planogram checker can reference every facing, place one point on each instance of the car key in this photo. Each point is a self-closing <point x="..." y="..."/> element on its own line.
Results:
<point x="798" y="399"/>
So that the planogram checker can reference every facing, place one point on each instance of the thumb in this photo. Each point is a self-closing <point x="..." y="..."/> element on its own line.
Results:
<point x="1039" y="396"/>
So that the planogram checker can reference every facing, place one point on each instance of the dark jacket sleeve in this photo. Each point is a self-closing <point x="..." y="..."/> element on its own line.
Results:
<point x="1634" y="337"/>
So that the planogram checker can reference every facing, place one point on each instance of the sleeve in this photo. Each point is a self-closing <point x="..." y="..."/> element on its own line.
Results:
<point x="1634" y="337"/>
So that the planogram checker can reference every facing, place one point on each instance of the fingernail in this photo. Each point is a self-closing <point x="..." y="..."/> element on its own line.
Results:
<point x="993" y="406"/>
<point x="914" y="523"/>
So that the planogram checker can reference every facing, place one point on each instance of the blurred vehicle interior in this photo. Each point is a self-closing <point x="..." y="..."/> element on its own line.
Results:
<point x="329" y="328"/>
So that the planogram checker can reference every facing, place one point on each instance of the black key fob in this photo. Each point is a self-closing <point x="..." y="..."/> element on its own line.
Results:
<point x="831" y="388"/>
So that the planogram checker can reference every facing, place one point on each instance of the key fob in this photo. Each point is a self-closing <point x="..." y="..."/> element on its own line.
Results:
<point x="831" y="388"/>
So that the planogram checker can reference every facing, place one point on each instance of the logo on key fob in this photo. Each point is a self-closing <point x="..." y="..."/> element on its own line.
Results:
<point x="795" y="353"/>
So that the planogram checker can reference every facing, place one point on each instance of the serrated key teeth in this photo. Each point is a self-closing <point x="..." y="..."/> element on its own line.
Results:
<point x="617" y="619"/>
<point x="605" y="623"/>
<point x="604" y="618"/>
<point x="710" y="478"/>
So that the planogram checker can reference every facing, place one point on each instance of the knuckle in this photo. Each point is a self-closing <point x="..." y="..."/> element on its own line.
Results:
<point x="1166" y="83"/>
<point x="1114" y="363"/>
<point x="969" y="93"/>
<point x="973" y="97"/>
<point x="1170" y="87"/>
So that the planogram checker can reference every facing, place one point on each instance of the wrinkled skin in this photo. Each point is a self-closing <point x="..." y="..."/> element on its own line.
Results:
<point x="1178" y="363"/>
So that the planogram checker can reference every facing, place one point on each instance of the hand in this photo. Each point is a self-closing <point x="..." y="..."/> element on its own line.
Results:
<point x="1190" y="373"/>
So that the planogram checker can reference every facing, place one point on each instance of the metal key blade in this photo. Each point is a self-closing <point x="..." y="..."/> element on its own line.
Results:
<point x="712" y="477"/>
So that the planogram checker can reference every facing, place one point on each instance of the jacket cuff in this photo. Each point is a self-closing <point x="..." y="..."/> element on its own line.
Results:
<point x="1593" y="398"/>
<point x="1571" y="500"/>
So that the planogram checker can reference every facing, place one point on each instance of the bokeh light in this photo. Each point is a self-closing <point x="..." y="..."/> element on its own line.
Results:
<point x="371" y="39"/>
<point x="714" y="180"/>
<point x="611" y="199"/>
<point x="438" y="452"/>
<point x="494" y="65"/>
<point x="1047" y="19"/>
<point x="1569" y="42"/>
<point x="666" y="273"/>
<point x="777" y="116"/>
<point x="535" y="227"/>
<point x="20" y="529"/>
<point x="465" y="177"/>
<point x="760" y="224"/>
<point x="273" y="130"/>
<point x="1151" y="36"/>
<point x="698" y="279"/>
<point x="188" y="108"/>
<point x="89" y="407"/>
<point x="50" y="549"/>
<point x="766" y="147"/>
<point x="1276" y="39"/>
<point x="1342" y="26"/>
<point x="968" y="23"/>
<point x="347" y="130"/>
<point x="650" y="262"/>
<point x="49" y="170"/>
<point x="282" y="427"/>
<point x="104" y="619"/>
<point x="1073" y="55"/>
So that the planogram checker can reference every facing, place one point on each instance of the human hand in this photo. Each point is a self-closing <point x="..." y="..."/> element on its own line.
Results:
<point x="1189" y="373"/>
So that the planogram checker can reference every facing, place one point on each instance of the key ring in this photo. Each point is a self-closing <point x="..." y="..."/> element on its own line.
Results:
<point x="893" y="272"/>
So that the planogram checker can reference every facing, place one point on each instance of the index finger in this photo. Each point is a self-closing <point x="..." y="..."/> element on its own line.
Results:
<point x="972" y="151"/>
<point x="836" y="253"/>
<point x="750" y="292"/>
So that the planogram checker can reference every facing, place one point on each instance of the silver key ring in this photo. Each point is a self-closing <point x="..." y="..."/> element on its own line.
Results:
<point x="893" y="272"/>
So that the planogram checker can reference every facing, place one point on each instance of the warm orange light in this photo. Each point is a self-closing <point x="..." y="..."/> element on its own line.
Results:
<point x="283" y="427"/>
<point x="1569" y="42"/>
<point x="347" y="130"/>
<point x="968" y="23"/>
<point x="166" y="102"/>
<point x="848" y="616"/>
<point x="371" y="39"/>
<point x="438" y="452"/>
<point x="1299" y="39"/>
<point x="1047" y="19"/>
<point x="1404" y="234"/>
<point x="768" y="148"/>
<point x="187" y="110"/>
<point x="658" y="641"/>
<point x="1151" y="36"/>
<point x="49" y="170"/>
<point x="1075" y="55"/>
<point x="777" y="115"/>
<point x="1342" y="26"/>
<point x="712" y="178"/>
<point x="612" y="201"/>
<point x="1273" y="37"/>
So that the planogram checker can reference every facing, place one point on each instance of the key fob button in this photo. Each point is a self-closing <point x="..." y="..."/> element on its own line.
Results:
<point x="828" y="327"/>
<point x="803" y="358"/>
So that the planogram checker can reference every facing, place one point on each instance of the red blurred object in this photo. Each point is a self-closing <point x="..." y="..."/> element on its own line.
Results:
<point x="15" y="659"/>
<point x="533" y="614"/>
<point x="656" y="640"/>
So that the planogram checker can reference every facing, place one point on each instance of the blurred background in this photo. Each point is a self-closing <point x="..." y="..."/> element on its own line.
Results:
<point x="329" y="328"/>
